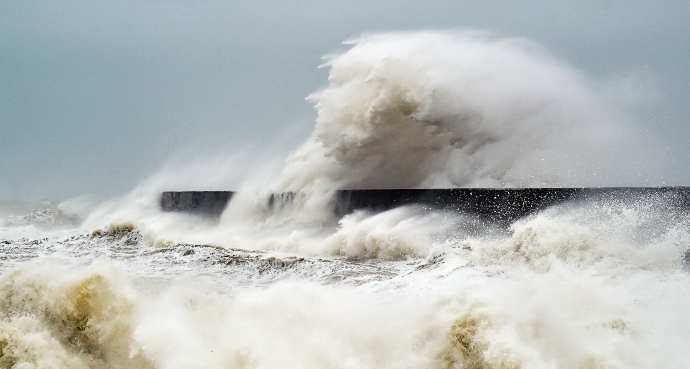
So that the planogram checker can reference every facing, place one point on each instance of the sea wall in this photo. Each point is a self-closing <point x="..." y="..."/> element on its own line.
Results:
<point x="496" y="205"/>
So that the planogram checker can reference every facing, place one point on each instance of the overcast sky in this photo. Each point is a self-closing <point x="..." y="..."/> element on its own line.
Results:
<point x="95" y="95"/>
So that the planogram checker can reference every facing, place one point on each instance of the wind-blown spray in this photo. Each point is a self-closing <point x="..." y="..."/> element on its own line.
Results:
<point x="444" y="109"/>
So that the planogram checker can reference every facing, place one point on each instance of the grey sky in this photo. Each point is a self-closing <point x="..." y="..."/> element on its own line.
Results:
<point x="95" y="94"/>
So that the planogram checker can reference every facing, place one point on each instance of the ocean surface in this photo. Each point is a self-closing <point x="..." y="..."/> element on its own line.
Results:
<point x="587" y="285"/>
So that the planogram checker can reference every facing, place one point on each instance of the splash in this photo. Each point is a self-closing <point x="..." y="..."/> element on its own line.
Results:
<point x="414" y="109"/>
<point x="445" y="109"/>
<point x="82" y="321"/>
<point x="467" y="350"/>
<point x="96" y="317"/>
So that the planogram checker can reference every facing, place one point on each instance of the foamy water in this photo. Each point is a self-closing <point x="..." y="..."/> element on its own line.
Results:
<point x="586" y="285"/>
<point x="577" y="286"/>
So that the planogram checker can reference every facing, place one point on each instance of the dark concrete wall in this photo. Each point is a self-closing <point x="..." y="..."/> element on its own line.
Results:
<point x="209" y="203"/>
<point x="495" y="205"/>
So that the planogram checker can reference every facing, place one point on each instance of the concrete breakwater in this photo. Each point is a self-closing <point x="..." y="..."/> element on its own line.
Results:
<point x="492" y="204"/>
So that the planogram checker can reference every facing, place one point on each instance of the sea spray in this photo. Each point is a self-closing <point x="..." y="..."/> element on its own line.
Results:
<point x="564" y="317"/>
<point x="429" y="109"/>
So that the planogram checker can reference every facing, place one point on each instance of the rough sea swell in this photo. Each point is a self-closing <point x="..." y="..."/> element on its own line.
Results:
<point x="583" y="285"/>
